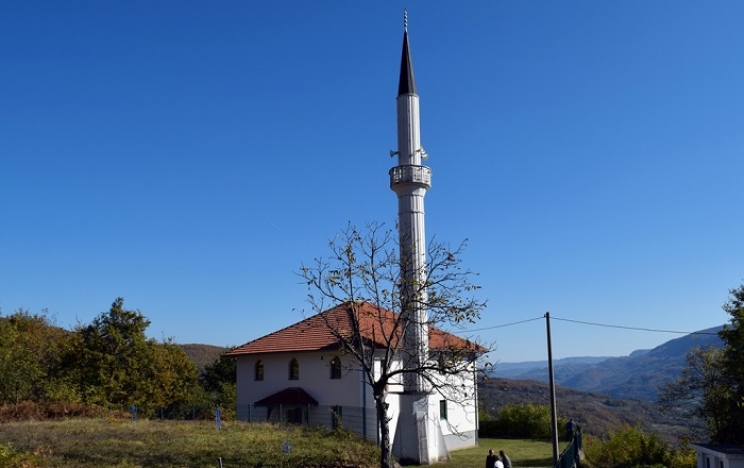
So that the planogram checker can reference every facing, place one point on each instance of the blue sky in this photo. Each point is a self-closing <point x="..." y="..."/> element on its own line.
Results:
<point x="188" y="156"/>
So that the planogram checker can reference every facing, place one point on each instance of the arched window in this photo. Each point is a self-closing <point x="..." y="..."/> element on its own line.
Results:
<point x="259" y="371"/>
<point x="335" y="368"/>
<point x="294" y="370"/>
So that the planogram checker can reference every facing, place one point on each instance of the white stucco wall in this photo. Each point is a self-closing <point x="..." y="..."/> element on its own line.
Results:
<point x="710" y="456"/>
<point x="462" y="411"/>
<point x="315" y="378"/>
<point x="459" y="430"/>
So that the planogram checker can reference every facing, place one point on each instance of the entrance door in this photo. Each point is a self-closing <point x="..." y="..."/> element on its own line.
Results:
<point x="294" y="415"/>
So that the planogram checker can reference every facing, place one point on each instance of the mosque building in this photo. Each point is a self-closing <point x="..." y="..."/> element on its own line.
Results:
<point x="299" y="374"/>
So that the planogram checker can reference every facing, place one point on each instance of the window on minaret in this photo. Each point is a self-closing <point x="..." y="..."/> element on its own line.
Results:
<point x="335" y="368"/>
<point x="294" y="370"/>
<point x="443" y="409"/>
<point x="259" y="375"/>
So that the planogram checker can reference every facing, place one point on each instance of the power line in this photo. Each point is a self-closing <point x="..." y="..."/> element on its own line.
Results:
<point x="655" y="330"/>
<point x="594" y="324"/>
<point x="504" y="325"/>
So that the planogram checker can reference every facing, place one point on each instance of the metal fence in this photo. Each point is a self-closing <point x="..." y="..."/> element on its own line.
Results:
<point x="361" y="421"/>
<point x="571" y="456"/>
<point x="173" y="412"/>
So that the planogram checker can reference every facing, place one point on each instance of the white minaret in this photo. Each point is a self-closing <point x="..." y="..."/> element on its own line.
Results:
<point x="410" y="181"/>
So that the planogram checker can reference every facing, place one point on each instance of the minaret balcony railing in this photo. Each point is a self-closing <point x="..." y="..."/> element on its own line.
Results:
<point x="410" y="174"/>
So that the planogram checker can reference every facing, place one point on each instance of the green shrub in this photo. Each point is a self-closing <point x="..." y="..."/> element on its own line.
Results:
<point x="630" y="447"/>
<point x="10" y="458"/>
<point x="522" y="421"/>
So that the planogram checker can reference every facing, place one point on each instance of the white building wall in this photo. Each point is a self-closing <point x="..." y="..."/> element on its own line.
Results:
<point x="460" y="427"/>
<point x="710" y="456"/>
<point x="393" y="400"/>
<point x="459" y="430"/>
<point x="315" y="378"/>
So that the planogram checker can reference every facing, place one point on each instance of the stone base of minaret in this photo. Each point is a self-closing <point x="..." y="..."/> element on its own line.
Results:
<point x="418" y="435"/>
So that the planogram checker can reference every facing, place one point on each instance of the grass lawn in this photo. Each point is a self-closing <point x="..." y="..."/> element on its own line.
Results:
<point x="114" y="443"/>
<point x="107" y="443"/>
<point x="527" y="453"/>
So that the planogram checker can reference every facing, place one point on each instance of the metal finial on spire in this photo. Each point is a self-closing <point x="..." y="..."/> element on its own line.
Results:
<point x="407" y="84"/>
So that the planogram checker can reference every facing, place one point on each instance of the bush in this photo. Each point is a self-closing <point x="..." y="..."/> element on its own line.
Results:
<point x="9" y="458"/>
<point x="42" y="411"/>
<point x="523" y="421"/>
<point x="631" y="447"/>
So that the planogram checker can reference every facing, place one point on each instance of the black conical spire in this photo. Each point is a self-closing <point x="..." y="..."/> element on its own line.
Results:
<point x="406" y="85"/>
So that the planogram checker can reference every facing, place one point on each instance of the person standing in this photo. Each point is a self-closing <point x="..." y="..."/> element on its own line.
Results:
<point x="491" y="459"/>
<point x="505" y="459"/>
<point x="570" y="429"/>
<point x="498" y="463"/>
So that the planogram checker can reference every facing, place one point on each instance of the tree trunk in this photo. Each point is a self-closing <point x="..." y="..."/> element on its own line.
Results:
<point x="383" y="420"/>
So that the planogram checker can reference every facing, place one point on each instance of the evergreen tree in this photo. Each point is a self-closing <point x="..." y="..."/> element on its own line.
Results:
<point x="113" y="357"/>
<point x="732" y="368"/>
<point x="112" y="362"/>
<point x="219" y="381"/>
<point x="711" y="385"/>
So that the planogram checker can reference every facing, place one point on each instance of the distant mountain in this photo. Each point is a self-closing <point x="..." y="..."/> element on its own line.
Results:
<point x="517" y="369"/>
<point x="638" y="352"/>
<point x="636" y="376"/>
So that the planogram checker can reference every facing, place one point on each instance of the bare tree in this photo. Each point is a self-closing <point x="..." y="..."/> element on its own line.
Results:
<point x="362" y="293"/>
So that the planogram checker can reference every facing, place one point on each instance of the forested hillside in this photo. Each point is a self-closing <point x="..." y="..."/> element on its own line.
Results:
<point x="597" y="413"/>
<point x="203" y="355"/>
<point x="637" y="376"/>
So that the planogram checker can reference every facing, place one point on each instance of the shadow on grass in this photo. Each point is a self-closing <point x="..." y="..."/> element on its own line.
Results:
<point x="536" y="462"/>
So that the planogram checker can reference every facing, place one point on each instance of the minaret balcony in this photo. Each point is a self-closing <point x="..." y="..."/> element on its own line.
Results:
<point x="410" y="174"/>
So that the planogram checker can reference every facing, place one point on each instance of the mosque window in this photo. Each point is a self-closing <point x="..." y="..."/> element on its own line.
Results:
<point x="443" y="409"/>
<point x="294" y="370"/>
<point x="335" y="368"/>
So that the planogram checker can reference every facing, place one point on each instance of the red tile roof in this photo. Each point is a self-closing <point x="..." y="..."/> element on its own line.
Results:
<point x="314" y="333"/>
